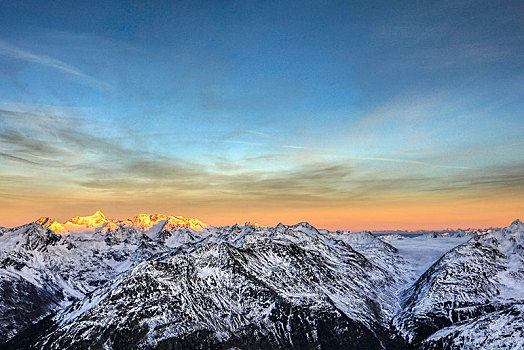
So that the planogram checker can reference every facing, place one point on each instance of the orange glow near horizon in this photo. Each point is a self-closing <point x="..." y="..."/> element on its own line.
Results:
<point x="412" y="215"/>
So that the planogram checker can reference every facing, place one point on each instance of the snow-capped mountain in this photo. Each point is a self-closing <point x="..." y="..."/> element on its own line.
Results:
<point x="47" y="271"/>
<point x="162" y="222"/>
<point x="98" y="219"/>
<point x="246" y="286"/>
<point x="469" y="232"/>
<point x="483" y="275"/>
<point x="24" y="298"/>
<point x="51" y="224"/>
<point x="152" y="223"/>
<point x="160" y="281"/>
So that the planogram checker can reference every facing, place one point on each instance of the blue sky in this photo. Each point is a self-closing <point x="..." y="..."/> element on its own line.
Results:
<point x="196" y="106"/>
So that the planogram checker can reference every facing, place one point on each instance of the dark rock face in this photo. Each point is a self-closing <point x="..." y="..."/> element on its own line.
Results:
<point x="39" y="238"/>
<point x="305" y="330"/>
<point x="23" y="302"/>
<point x="300" y="329"/>
<point x="28" y="337"/>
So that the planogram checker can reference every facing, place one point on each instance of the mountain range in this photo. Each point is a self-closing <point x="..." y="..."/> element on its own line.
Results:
<point x="152" y="223"/>
<point x="157" y="281"/>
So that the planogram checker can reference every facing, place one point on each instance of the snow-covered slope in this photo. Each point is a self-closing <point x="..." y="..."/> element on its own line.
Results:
<point x="96" y="222"/>
<point x="24" y="299"/>
<point x="51" y="224"/>
<point x="483" y="275"/>
<point x="496" y="330"/>
<point x="41" y="271"/>
<point x="282" y="287"/>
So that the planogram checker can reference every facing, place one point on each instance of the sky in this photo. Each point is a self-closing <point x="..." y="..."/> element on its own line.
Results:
<point x="346" y="114"/>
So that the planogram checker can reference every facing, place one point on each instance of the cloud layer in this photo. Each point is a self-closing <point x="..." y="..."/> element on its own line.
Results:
<point x="70" y="159"/>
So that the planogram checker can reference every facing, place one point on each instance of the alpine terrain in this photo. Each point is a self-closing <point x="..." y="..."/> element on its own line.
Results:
<point x="170" y="282"/>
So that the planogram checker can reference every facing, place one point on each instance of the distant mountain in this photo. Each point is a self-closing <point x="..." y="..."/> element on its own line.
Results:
<point x="399" y="234"/>
<point x="98" y="219"/>
<point x="153" y="223"/>
<point x="51" y="224"/>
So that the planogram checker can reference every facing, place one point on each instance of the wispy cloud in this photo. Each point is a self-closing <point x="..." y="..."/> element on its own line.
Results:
<point x="296" y="147"/>
<point x="12" y="51"/>
<point x="15" y="158"/>
<point x="256" y="133"/>
<point x="30" y="155"/>
<point x="244" y="142"/>
<point x="407" y="161"/>
<point x="69" y="142"/>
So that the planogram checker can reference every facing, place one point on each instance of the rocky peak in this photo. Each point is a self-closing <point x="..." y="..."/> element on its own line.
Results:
<point x="92" y="221"/>
<point x="51" y="224"/>
<point x="38" y="237"/>
<point x="517" y="224"/>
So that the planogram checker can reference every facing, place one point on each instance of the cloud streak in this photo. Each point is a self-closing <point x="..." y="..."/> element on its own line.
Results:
<point x="296" y="147"/>
<point x="30" y="155"/>
<point x="12" y="51"/>
<point x="256" y="133"/>
<point x="407" y="161"/>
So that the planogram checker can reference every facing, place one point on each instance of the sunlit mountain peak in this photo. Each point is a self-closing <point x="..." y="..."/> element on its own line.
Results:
<point x="92" y="221"/>
<point x="51" y="224"/>
<point x="98" y="222"/>
<point x="161" y="222"/>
